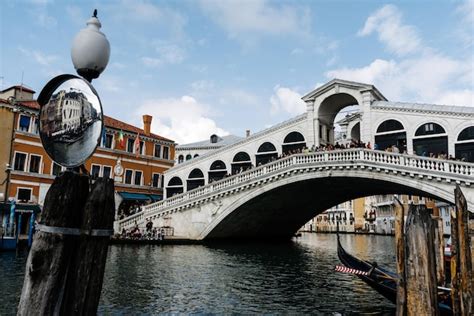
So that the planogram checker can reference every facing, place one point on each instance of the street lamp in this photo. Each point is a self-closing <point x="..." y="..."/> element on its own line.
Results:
<point x="90" y="50"/>
<point x="77" y="217"/>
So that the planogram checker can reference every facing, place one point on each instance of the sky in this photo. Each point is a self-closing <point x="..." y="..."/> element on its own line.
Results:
<point x="201" y="67"/>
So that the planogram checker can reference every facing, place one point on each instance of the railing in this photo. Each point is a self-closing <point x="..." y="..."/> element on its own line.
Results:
<point x="404" y="163"/>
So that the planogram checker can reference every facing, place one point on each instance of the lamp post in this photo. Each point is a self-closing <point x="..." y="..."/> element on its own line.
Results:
<point x="66" y="262"/>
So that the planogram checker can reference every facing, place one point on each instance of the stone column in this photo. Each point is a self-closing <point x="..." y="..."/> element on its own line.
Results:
<point x="312" y="121"/>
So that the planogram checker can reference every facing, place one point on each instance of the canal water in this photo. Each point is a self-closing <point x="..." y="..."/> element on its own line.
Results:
<point x="296" y="277"/>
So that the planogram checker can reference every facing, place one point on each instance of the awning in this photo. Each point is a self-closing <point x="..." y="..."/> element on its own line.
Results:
<point x="140" y="196"/>
<point x="156" y="197"/>
<point x="27" y="208"/>
<point x="21" y="208"/>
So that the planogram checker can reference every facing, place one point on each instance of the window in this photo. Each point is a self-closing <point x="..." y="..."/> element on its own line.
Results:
<point x="180" y="158"/>
<point x="35" y="163"/>
<point x="128" y="176"/>
<point x="130" y="142"/>
<point x="138" y="177"/>
<point x="189" y="157"/>
<point x="109" y="138"/>
<point x="20" y="161"/>
<point x="95" y="171"/>
<point x="107" y="172"/>
<point x="142" y="147"/>
<point x="56" y="169"/>
<point x="36" y="126"/>
<point x="24" y="123"/>
<point x="156" y="180"/>
<point x="166" y="152"/>
<point x="157" y="150"/>
<point x="24" y="194"/>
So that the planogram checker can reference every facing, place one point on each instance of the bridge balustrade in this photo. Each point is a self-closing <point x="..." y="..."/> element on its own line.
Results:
<point x="406" y="162"/>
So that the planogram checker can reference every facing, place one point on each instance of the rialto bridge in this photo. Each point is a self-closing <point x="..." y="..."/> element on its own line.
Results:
<point x="246" y="190"/>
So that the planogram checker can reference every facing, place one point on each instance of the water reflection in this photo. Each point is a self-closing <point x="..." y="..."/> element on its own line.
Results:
<point x="286" y="278"/>
<point x="295" y="277"/>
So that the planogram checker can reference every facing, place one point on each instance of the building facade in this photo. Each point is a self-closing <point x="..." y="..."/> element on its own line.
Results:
<point x="27" y="171"/>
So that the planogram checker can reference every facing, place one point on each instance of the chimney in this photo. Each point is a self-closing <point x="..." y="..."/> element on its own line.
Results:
<point x="247" y="133"/>
<point x="147" y="124"/>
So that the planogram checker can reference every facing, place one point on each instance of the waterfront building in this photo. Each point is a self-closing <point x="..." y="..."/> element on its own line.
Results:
<point x="27" y="172"/>
<point x="189" y="151"/>
<point x="350" y="215"/>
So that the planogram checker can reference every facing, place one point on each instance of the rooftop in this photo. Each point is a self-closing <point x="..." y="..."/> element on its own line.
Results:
<point x="221" y="141"/>
<point x="120" y="125"/>
<point x="425" y="107"/>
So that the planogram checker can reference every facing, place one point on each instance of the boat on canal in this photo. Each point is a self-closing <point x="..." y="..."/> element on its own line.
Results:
<point x="383" y="280"/>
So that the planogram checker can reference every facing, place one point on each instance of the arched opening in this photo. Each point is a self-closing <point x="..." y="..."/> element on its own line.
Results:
<point x="175" y="186"/>
<point x="279" y="211"/>
<point x="355" y="132"/>
<point x="430" y="140"/>
<point x="241" y="162"/>
<point x="180" y="158"/>
<point x="293" y="142"/>
<point x="328" y="110"/>
<point x="195" y="179"/>
<point x="217" y="171"/>
<point x="189" y="157"/>
<point x="265" y="153"/>
<point x="195" y="156"/>
<point x="465" y="145"/>
<point x="390" y="133"/>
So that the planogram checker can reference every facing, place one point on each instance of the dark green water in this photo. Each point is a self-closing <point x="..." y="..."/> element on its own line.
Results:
<point x="287" y="278"/>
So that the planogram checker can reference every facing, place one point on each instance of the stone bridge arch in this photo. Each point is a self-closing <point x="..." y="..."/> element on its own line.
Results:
<point x="280" y="208"/>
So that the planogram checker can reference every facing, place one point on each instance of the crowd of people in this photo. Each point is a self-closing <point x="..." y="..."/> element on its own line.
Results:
<point x="147" y="233"/>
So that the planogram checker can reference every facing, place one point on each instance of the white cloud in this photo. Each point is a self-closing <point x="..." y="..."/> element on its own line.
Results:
<point x="166" y="54"/>
<point x="426" y="78"/>
<point x="40" y="57"/>
<point x="183" y="120"/>
<point x="247" y="19"/>
<point x="377" y="70"/>
<point x="462" y="97"/>
<point x="387" y="22"/>
<point x="286" y="100"/>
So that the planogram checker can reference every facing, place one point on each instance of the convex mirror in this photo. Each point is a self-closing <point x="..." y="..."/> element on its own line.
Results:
<point x="70" y="120"/>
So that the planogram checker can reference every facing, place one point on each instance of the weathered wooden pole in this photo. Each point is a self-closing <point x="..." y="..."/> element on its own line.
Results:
<point x="439" y="249"/>
<point x="420" y="263"/>
<point x="66" y="264"/>
<point x="86" y="273"/>
<point x="400" y="244"/>
<point x="51" y="253"/>
<point x="461" y="264"/>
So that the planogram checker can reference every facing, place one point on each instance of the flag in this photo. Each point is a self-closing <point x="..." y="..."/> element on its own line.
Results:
<point x="120" y="139"/>
<point x="136" y="145"/>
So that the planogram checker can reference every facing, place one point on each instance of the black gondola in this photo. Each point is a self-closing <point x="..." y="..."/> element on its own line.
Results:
<point x="384" y="281"/>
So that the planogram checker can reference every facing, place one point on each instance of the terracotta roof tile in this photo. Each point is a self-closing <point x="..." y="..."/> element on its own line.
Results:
<point x="18" y="87"/>
<point x="116" y="124"/>
<point x="32" y="104"/>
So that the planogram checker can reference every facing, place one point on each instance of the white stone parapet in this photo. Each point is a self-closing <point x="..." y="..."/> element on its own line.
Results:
<point x="422" y="168"/>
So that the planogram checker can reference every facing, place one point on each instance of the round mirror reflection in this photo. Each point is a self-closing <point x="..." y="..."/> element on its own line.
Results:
<point x="70" y="120"/>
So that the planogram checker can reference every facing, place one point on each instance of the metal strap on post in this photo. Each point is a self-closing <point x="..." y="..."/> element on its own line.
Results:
<point x="74" y="231"/>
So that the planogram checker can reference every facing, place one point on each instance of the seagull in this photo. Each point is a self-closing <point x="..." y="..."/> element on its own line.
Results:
<point x="95" y="13"/>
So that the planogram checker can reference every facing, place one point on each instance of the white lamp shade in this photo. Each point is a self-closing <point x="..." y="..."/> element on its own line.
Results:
<point x="90" y="50"/>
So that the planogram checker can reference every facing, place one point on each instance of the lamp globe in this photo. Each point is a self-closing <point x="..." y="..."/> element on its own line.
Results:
<point x="90" y="50"/>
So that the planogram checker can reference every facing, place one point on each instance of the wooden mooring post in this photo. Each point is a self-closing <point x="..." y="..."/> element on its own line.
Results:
<point x="65" y="266"/>
<point x="462" y="283"/>
<point x="420" y="263"/>
<point x="400" y="244"/>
